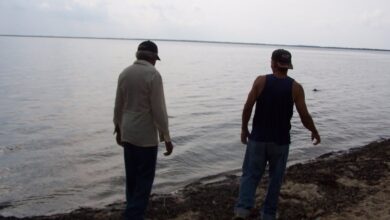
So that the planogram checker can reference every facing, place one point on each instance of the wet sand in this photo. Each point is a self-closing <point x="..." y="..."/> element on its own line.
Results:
<point x="352" y="184"/>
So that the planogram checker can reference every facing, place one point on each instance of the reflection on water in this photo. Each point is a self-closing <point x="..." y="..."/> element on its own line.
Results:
<point x="57" y="151"/>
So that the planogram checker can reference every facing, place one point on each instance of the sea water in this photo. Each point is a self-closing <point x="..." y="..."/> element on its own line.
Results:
<point x="57" y="149"/>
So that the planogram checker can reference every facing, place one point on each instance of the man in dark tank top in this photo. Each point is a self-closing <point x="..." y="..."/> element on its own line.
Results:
<point x="274" y="95"/>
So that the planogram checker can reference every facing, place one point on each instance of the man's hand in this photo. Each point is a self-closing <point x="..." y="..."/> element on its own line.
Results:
<point x="315" y="136"/>
<point x="168" y="147"/>
<point x="118" y="135"/>
<point x="244" y="135"/>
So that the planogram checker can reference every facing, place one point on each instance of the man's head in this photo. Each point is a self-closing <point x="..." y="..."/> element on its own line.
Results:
<point x="281" y="59"/>
<point x="148" y="51"/>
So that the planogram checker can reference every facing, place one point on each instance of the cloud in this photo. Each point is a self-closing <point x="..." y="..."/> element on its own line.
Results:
<point x="374" y="19"/>
<point x="313" y="22"/>
<point x="52" y="17"/>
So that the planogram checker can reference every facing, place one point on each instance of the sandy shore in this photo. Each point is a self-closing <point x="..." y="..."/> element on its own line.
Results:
<point x="340" y="185"/>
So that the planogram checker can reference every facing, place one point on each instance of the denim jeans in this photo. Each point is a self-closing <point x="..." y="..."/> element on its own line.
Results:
<point x="257" y="155"/>
<point x="140" y="166"/>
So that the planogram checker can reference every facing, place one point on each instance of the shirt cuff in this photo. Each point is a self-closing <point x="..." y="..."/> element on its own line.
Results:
<point x="164" y="137"/>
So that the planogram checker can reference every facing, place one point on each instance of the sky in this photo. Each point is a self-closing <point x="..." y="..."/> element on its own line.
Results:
<point x="339" y="23"/>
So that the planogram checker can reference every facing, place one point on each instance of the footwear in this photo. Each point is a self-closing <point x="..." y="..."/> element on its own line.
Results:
<point x="241" y="213"/>
<point x="239" y="217"/>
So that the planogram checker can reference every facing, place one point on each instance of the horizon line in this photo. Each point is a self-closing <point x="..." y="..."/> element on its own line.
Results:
<point x="193" y="41"/>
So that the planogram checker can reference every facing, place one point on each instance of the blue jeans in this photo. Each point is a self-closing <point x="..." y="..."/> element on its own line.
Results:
<point x="140" y="166"/>
<point x="256" y="157"/>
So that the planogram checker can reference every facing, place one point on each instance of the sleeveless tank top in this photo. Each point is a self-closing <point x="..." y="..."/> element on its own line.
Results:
<point x="274" y="109"/>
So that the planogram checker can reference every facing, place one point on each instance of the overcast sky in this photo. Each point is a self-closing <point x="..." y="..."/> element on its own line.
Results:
<point x="344" y="23"/>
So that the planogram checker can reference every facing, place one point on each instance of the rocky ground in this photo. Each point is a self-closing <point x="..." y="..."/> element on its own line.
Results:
<point x="340" y="185"/>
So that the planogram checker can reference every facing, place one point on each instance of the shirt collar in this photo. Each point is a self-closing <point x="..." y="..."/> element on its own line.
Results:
<point x="143" y="62"/>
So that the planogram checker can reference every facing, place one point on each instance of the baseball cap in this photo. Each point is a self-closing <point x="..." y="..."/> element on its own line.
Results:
<point x="282" y="58"/>
<point x="149" y="46"/>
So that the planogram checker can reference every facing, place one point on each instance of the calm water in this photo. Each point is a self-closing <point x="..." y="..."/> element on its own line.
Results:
<point x="57" y="151"/>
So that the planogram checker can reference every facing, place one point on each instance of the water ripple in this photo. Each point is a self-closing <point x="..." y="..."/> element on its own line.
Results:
<point x="57" y="150"/>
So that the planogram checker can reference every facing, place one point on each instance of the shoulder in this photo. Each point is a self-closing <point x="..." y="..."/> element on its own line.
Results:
<point x="156" y="74"/>
<point x="258" y="85"/>
<point x="261" y="78"/>
<point x="297" y="89"/>
<point x="155" y="78"/>
<point x="151" y="70"/>
<point x="296" y="85"/>
<point x="144" y="68"/>
<point x="260" y="81"/>
<point x="125" y="72"/>
<point x="128" y="70"/>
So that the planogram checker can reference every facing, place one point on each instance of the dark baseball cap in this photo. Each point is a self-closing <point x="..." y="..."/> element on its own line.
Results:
<point x="282" y="58"/>
<point x="149" y="46"/>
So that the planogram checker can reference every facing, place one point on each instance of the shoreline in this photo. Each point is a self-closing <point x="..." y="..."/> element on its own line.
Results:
<point x="199" y="41"/>
<point x="353" y="184"/>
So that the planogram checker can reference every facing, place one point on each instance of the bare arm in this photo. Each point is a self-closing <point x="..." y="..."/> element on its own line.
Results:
<point x="256" y="90"/>
<point x="306" y="119"/>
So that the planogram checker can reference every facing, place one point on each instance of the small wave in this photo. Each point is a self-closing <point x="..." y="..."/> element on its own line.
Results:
<point x="203" y="113"/>
<point x="185" y="138"/>
<point x="102" y="195"/>
<point x="10" y="148"/>
<point x="101" y="131"/>
<point x="4" y="205"/>
<point x="32" y="130"/>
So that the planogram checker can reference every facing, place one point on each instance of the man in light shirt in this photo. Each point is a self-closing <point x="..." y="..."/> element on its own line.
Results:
<point x="140" y="116"/>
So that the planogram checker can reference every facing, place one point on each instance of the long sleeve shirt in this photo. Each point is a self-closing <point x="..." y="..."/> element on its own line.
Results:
<point x="140" y="109"/>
